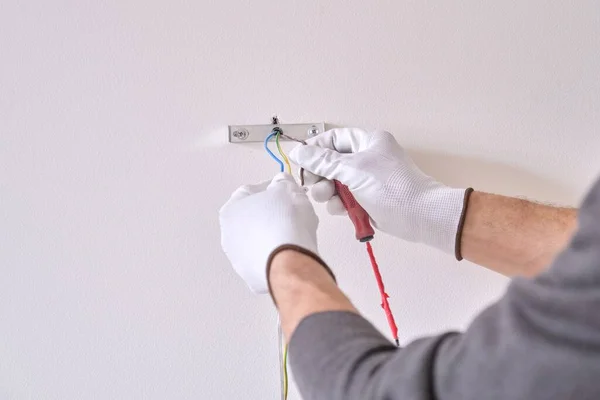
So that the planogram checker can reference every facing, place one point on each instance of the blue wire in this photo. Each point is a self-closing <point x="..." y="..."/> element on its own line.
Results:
<point x="271" y="153"/>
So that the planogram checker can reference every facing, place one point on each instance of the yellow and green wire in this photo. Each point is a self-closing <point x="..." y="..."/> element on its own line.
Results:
<point x="285" y="373"/>
<point x="277" y="135"/>
<point x="282" y="153"/>
<point x="285" y="349"/>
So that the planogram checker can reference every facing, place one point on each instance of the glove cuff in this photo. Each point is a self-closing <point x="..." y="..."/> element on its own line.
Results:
<point x="301" y="250"/>
<point x="442" y="210"/>
<point x="461" y="225"/>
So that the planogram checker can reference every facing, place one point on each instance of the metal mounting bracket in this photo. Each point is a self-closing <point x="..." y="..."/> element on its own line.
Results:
<point x="258" y="133"/>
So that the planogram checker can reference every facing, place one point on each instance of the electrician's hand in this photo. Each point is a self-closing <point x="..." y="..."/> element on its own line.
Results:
<point x="261" y="218"/>
<point x="400" y="199"/>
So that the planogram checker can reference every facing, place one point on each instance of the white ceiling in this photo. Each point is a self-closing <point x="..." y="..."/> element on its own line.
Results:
<point x="114" y="162"/>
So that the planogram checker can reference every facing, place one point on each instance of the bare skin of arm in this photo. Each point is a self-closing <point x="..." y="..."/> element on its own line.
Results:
<point x="301" y="287"/>
<point x="514" y="237"/>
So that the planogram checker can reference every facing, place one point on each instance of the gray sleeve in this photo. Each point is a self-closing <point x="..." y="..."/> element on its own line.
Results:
<point x="540" y="341"/>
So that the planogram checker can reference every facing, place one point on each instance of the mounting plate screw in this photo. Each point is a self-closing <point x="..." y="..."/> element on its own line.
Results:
<point x="241" y="134"/>
<point x="313" y="131"/>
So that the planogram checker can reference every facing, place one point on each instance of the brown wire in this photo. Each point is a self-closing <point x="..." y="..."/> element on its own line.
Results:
<point x="299" y="141"/>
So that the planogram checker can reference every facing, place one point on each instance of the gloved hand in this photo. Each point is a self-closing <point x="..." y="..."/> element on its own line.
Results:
<point x="260" y="218"/>
<point x="400" y="199"/>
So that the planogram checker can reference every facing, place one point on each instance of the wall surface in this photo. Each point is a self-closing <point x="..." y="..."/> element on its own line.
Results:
<point x="114" y="162"/>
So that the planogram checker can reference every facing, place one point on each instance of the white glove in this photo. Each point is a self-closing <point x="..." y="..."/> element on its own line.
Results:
<point x="258" y="219"/>
<point x="400" y="199"/>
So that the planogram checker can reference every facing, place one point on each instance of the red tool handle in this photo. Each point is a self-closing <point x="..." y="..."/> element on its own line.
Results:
<point x="359" y="217"/>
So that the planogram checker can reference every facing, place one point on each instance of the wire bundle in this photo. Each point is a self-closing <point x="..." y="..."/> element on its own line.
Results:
<point x="276" y="133"/>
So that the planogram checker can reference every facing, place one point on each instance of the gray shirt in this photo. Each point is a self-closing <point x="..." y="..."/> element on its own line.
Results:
<point x="541" y="340"/>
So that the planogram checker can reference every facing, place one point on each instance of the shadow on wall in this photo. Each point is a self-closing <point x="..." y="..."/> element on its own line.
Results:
<point x="493" y="177"/>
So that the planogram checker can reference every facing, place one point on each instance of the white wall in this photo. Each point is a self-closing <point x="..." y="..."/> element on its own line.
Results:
<point x="114" y="162"/>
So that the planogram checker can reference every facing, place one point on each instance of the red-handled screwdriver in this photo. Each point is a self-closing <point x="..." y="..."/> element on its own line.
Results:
<point x="364" y="233"/>
<point x="358" y="215"/>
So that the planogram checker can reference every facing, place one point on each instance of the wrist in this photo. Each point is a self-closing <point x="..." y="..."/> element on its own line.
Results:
<point x="292" y="262"/>
<point x="300" y="286"/>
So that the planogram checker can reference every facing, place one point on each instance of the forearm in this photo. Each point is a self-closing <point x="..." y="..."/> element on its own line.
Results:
<point x="512" y="236"/>
<point x="334" y="352"/>
<point x="301" y="286"/>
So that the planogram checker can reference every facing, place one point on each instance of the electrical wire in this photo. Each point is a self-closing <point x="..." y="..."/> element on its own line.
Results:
<point x="299" y="141"/>
<point x="281" y="340"/>
<point x="273" y="134"/>
<point x="285" y="373"/>
<point x="282" y="153"/>
<point x="283" y="348"/>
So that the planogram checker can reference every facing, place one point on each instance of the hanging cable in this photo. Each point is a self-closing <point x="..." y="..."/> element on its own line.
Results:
<point x="282" y="361"/>
<point x="273" y="134"/>
<point x="285" y="373"/>
<point x="283" y="348"/>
